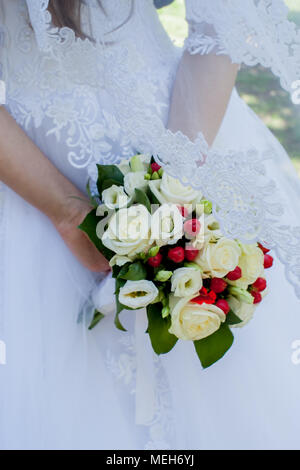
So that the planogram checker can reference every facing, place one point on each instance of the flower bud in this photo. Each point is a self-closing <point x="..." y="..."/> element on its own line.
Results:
<point x="163" y="276"/>
<point x="165" y="312"/>
<point x="136" y="164"/>
<point x="153" y="251"/>
<point x="207" y="206"/>
<point x="192" y="265"/>
<point x="241" y="294"/>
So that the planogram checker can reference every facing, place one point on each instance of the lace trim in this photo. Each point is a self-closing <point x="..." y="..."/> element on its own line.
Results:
<point x="123" y="367"/>
<point x="250" y="32"/>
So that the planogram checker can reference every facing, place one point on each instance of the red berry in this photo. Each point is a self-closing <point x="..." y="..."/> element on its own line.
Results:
<point x="257" y="297"/>
<point x="190" y="254"/>
<point x="268" y="261"/>
<point x="155" y="167"/>
<point x="205" y="297"/>
<point x="183" y="211"/>
<point x="263" y="249"/>
<point x="235" y="274"/>
<point x="192" y="227"/>
<point x="176" y="254"/>
<point x="260" y="284"/>
<point x="218" y="285"/>
<point x="155" y="261"/>
<point x="223" y="305"/>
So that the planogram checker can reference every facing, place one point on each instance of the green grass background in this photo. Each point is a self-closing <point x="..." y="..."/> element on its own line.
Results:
<point x="258" y="86"/>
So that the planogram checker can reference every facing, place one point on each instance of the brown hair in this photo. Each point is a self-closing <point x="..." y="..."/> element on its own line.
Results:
<point x="68" y="13"/>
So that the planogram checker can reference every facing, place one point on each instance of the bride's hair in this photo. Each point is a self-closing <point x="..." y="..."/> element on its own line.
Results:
<point x="68" y="13"/>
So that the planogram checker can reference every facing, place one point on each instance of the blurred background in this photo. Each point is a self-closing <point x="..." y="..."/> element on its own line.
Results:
<point x="258" y="87"/>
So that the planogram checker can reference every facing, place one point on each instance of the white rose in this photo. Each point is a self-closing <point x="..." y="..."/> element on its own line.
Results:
<point x="115" y="197"/>
<point x="186" y="282"/>
<point x="166" y="225"/>
<point x="135" y="180"/>
<point x="251" y="263"/>
<point x="169" y="189"/>
<point x="118" y="260"/>
<point x="191" y="321"/>
<point x="218" y="259"/>
<point x="243" y="310"/>
<point x="128" y="231"/>
<point x="138" y="294"/>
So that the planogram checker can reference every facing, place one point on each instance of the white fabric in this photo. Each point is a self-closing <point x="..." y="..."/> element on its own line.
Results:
<point x="64" y="386"/>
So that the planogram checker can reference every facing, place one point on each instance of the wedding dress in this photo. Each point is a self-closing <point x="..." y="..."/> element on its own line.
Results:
<point x="82" y="102"/>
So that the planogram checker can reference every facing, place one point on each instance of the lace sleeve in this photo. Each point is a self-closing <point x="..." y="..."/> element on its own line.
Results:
<point x="250" y="32"/>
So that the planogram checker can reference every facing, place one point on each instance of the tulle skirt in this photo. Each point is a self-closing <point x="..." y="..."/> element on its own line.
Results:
<point x="64" y="387"/>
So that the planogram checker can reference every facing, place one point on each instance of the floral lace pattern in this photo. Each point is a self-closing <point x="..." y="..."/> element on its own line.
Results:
<point x="253" y="32"/>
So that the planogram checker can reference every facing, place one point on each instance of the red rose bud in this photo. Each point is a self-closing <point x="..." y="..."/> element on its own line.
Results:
<point x="268" y="261"/>
<point x="218" y="285"/>
<point x="260" y="284"/>
<point x="223" y="305"/>
<point x="257" y="297"/>
<point x="192" y="227"/>
<point x="155" y="167"/>
<point x="263" y="249"/>
<point x="190" y="254"/>
<point x="235" y="274"/>
<point x="205" y="297"/>
<point x="183" y="211"/>
<point x="176" y="254"/>
<point x="155" y="261"/>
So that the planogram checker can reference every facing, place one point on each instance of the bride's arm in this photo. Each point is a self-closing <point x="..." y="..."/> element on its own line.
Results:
<point x="201" y="93"/>
<point x="29" y="173"/>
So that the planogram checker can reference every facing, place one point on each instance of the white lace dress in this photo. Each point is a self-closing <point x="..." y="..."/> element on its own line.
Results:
<point x="64" y="387"/>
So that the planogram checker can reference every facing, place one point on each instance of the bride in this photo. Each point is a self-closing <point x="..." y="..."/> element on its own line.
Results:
<point x="97" y="81"/>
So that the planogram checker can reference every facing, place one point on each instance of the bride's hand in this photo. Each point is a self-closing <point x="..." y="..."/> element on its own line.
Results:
<point x="77" y="241"/>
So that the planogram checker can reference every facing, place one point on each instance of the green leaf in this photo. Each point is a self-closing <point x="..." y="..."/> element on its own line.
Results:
<point x="107" y="176"/>
<point x="232" y="319"/>
<point x="96" y="319"/>
<point x="158" y="328"/>
<point x="213" y="348"/>
<point x="89" y="226"/>
<point x="133" y="272"/>
<point x="142" y="198"/>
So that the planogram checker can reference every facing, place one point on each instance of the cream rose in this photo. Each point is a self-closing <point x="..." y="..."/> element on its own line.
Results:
<point x="166" y="225"/>
<point x="251" y="263"/>
<point x="186" y="282"/>
<point x="243" y="310"/>
<point x="138" y="294"/>
<point x="218" y="259"/>
<point x="134" y="180"/>
<point x="115" y="197"/>
<point x="169" y="189"/>
<point x="191" y="321"/>
<point x="128" y="231"/>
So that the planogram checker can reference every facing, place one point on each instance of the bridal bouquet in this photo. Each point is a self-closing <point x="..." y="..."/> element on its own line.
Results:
<point x="168" y="255"/>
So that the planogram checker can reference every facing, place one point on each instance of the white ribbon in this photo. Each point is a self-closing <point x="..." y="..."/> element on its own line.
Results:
<point x="104" y="301"/>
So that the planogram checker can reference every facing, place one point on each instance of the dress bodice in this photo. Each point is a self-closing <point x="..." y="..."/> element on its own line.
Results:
<point x="73" y="120"/>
